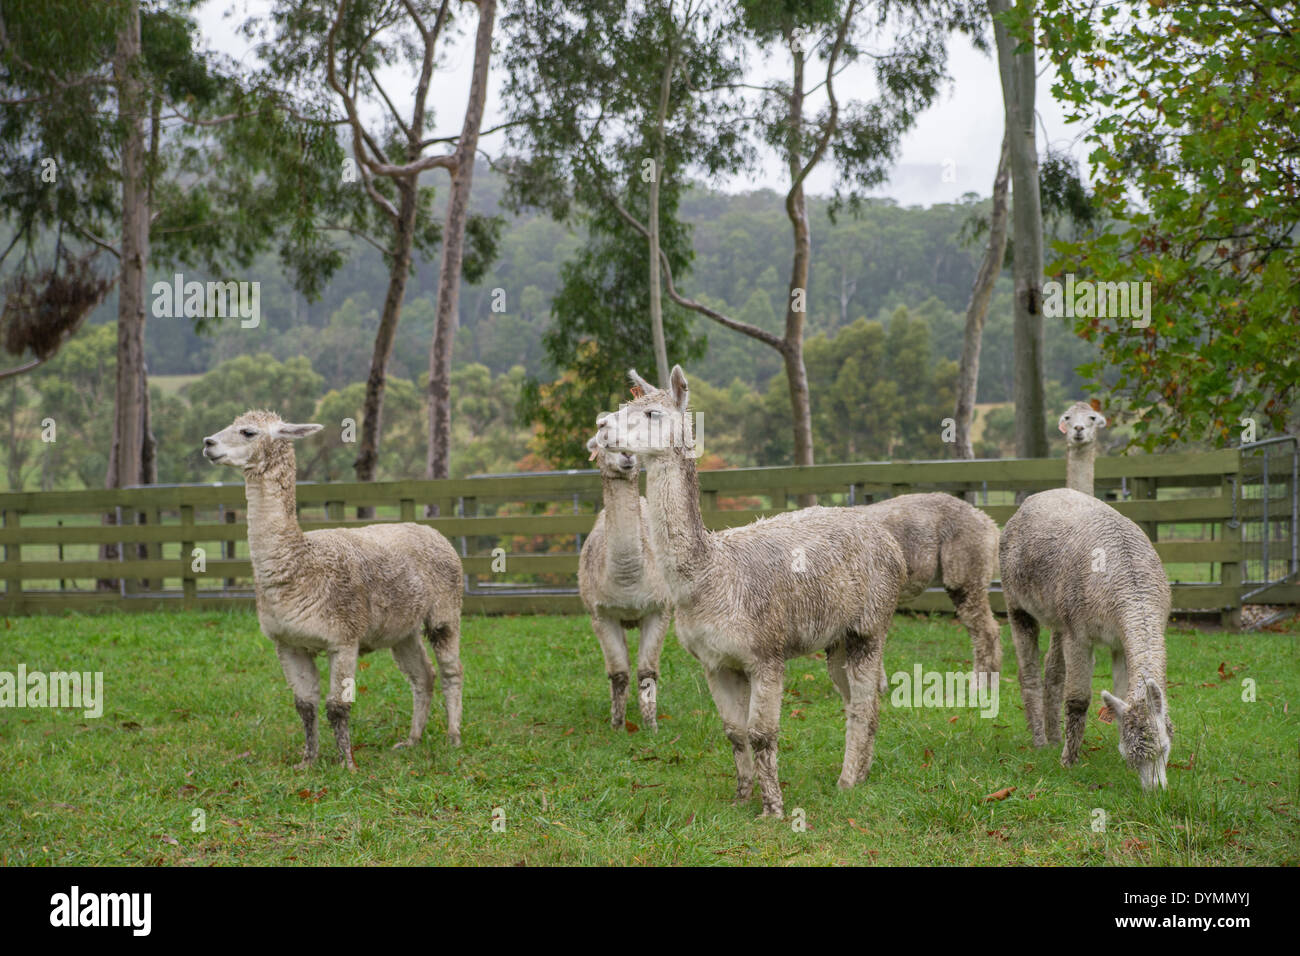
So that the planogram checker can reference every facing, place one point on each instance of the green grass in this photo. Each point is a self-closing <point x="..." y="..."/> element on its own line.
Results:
<point x="198" y="717"/>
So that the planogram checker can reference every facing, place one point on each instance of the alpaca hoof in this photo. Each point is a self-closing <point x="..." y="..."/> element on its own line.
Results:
<point x="306" y="763"/>
<point x="403" y="744"/>
<point x="845" y="783"/>
<point x="453" y="739"/>
<point x="1067" y="761"/>
<point x="776" y="813"/>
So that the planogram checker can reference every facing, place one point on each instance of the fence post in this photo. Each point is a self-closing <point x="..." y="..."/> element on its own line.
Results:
<point x="189" y="583"/>
<point x="13" y="577"/>
<point x="1230" y="571"/>
<point x="407" y="506"/>
<point x="228" y="547"/>
<point x="1144" y="489"/>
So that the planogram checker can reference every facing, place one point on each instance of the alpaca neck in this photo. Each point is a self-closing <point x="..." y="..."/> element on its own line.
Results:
<point x="273" y="532"/>
<point x="622" y="527"/>
<point x="681" y="544"/>
<point x="1079" y="460"/>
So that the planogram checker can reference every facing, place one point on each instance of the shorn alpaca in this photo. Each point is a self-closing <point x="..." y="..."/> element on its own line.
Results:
<point x="1077" y="565"/>
<point x="944" y="537"/>
<point x="621" y="586"/>
<point x="748" y="599"/>
<point x="342" y="591"/>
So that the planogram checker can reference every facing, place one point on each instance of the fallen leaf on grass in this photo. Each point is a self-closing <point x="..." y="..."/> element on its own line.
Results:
<point x="1223" y="673"/>
<point x="1191" y="762"/>
<point x="307" y="794"/>
<point x="567" y="732"/>
<point x="797" y="714"/>
<point x="631" y="727"/>
<point x="952" y="719"/>
<point x="130" y="725"/>
<point x="855" y="826"/>
<point x="1000" y="834"/>
<point x="1133" y="843"/>
<point x="171" y="840"/>
<point x="1106" y="715"/>
<point x="999" y="794"/>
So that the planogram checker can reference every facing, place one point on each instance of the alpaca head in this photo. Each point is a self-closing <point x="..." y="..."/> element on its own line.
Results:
<point x="1079" y="425"/>
<point x="612" y="464"/>
<point x="249" y="439"/>
<point x="1145" y="732"/>
<point x="654" y="425"/>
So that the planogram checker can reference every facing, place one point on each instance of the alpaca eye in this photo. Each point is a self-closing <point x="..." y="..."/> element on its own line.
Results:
<point x="248" y="433"/>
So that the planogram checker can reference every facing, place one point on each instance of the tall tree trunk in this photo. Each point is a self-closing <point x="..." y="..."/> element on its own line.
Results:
<point x="438" y="463"/>
<point x="399" y="271"/>
<point x="978" y="308"/>
<point x="128" y="421"/>
<point x="1018" y="79"/>
<point x="796" y="302"/>
<point x="127" y="453"/>
<point x="656" y="297"/>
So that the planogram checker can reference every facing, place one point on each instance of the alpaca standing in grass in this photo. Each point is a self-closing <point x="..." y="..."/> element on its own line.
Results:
<point x="748" y="599"/>
<point x="944" y="537"/>
<point x="621" y="586"/>
<point x="342" y="591"/>
<point x="1077" y="565"/>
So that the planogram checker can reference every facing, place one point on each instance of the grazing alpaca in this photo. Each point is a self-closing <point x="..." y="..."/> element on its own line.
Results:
<point x="943" y="536"/>
<point x="1077" y="565"/>
<point x="621" y="587"/>
<point x="342" y="591"/>
<point x="748" y="599"/>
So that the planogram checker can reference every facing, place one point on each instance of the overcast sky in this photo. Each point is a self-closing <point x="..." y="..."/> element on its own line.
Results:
<point x="953" y="148"/>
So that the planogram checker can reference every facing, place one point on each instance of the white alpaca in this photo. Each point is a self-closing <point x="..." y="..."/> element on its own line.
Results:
<point x="342" y="591"/>
<point x="621" y="586"/>
<point x="748" y="599"/>
<point x="1077" y="565"/>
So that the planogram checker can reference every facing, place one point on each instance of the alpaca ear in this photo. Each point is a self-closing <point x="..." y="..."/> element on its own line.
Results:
<point x="639" y="382"/>
<point x="287" y="430"/>
<point x="1155" y="699"/>
<point x="681" y="392"/>
<point x="1103" y="423"/>
<point x="592" y="446"/>
<point x="1060" y="425"/>
<point x="1114" y="703"/>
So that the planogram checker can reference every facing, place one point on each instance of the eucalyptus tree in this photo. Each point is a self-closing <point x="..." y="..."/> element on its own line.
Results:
<point x="345" y="47"/>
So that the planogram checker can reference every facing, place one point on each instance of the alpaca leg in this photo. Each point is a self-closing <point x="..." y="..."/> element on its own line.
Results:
<point x="1053" y="686"/>
<point x="1078" y="694"/>
<point x="613" y="644"/>
<point x="1119" y="673"/>
<point x="972" y="604"/>
<point x="1024" y="634"/>
<point x="446" y="648"/>
<point x="650" y="645"/>
<point x="300" y="671"/>
<point x="864" y="665"/>
<point x="835" y="664"/>
<point x="338" y="703"/>
<point x="764" y="727"/>
<point x="413" y="661"/>
<point x="731" y="693"/>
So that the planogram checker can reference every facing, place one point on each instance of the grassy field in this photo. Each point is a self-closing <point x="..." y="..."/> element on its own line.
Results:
<point x="198" y="718"/>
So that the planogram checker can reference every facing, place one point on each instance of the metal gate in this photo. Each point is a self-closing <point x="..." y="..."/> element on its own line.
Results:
<point x="1268" y="507"/>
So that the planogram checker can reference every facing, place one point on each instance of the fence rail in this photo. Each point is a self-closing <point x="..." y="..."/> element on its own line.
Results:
<point x="184" y="545"/>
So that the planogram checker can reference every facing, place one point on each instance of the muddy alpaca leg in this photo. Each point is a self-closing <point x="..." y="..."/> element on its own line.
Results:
<point x="1053" y="686"/>
<point x="1078" y="694"/>
<point x="413" y="661"/>
<point x="835" y="666"/>
<point x="972" y="604"/>
<point x="731" y="692"/>
<point x="613" y="644"/>
<point x="446" y="648"/>
<point x="764" y="728"/>
<point x="1024" y="634"/>
<point x="649" y="646"/>
<point x="865" y="664"/>
<point x="300" y="671"/>
<point x="338" y="703"/>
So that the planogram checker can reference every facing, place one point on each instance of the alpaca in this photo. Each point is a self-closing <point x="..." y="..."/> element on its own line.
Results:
<point x="342" y="591"/>
<point x="748" y="599"/>
<point x="621" y="586"/>
<point x="943" y="536"/>
<point x="1077" y="565"/>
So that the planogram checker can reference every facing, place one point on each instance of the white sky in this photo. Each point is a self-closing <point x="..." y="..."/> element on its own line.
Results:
<point x="957" y="139"/>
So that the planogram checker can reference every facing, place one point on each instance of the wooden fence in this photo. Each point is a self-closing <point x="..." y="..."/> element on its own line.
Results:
<point x="184" y="546"/>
